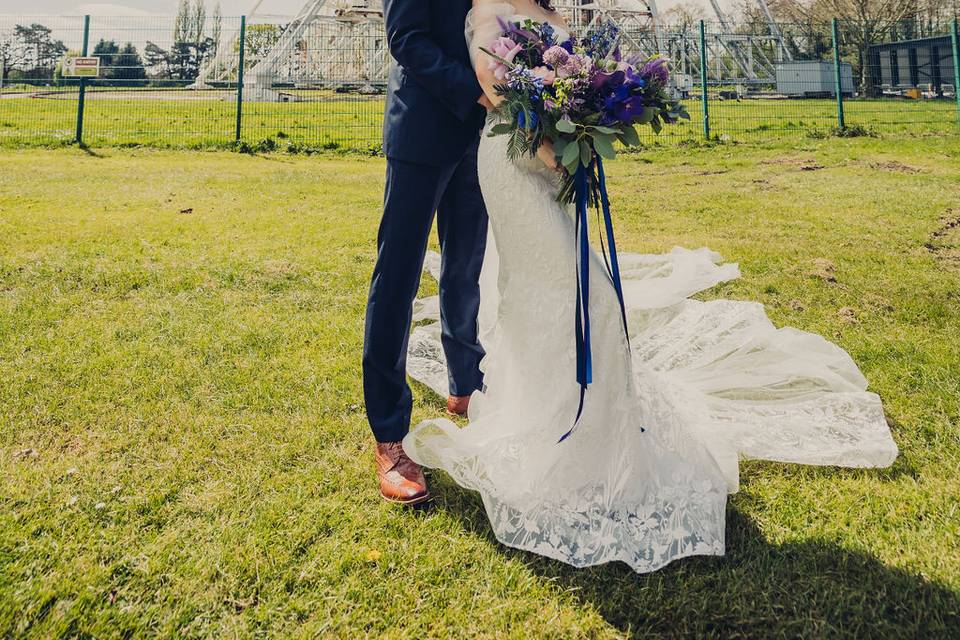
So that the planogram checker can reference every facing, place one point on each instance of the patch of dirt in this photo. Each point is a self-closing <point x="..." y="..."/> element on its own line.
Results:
<point x="944" y="243"/>
<point x="801" y="163"/>
<point x="893" y="165"/>
<point x="824" y="269"/>
<point x="848" y="315"/>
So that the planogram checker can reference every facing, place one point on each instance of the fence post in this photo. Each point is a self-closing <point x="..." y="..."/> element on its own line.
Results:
<point x="838" y="74"/>
<point x="704" y="99"/>
<point x="81" y="97"/>
<point x="955" y="37"/>
<point x="243" y="47"/>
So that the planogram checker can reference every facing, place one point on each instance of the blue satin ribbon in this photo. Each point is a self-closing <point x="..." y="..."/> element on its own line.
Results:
<point x="587" y="180"/>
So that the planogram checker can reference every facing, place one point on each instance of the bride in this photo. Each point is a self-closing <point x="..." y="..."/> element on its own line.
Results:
<point x="644" y="477"/>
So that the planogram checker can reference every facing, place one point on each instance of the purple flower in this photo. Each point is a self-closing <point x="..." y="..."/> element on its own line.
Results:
<point x="510" y="28"/>
<point x="625" y="111"/>
<point x="607" y="81"/>
<point x="656" y="69"/>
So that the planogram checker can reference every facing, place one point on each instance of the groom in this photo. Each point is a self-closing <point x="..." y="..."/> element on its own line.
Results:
<point x="435" y="111"/>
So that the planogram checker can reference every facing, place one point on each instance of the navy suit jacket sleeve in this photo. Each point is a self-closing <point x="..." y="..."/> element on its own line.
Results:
<point x="452" y="82"/>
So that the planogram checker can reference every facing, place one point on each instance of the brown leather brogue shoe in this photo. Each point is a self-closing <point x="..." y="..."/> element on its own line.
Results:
<point x="401" y="479"/>
<point x="457" y="405"/>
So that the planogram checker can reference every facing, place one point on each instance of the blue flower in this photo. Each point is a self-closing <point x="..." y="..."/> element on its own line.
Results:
<point x="547" y="34"/>
<point x="522" y="119"/>
<point x="523" y="80"/>
<point x="602" y="40"/>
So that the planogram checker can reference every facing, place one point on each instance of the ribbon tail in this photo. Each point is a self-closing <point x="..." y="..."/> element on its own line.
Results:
<point x="582" y="322"/>
<point x="614" y="265"/>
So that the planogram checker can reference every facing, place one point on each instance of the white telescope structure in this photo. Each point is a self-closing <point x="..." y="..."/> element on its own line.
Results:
<point x="340" y="44"/>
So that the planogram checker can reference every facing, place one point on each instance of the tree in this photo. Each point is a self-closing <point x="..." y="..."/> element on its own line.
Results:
<point x="686" y="16"/>
<point x="260" y="39"/>
<point x="864" y="23"/>
<point x="157" y="59"/>
<point x="6" y="53"/>
<point x="198" y="21"/>
<point x="129" y="67"/>
<point x="106" y="51"/>
<point x="934" y="16"/>
<point x="216" y="30"/>
<point x="36" y="51"/>
<point x="181" y="24"/>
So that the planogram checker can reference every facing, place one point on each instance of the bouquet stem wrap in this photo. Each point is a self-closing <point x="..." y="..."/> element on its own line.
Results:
<point x="591" y="181"/>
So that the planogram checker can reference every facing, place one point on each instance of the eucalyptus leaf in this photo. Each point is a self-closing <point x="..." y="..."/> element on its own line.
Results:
<point x="630" y="137"/>
<point x="604" y="147"/>
<point x="586" y="153"/>
<point x="565" y="126"/>
<point x="649" y="113"/>
<point x="571" y="154"/>
<point x="606" y="130"/>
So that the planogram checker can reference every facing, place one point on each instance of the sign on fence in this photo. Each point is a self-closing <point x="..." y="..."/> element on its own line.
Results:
<point x="81" y="67"/>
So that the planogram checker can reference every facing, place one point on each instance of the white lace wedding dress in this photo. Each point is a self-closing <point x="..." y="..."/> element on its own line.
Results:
<point x="645" y="475"/>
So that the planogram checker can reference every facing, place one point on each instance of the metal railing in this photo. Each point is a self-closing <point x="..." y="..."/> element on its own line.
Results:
<point x="318" y="81"/>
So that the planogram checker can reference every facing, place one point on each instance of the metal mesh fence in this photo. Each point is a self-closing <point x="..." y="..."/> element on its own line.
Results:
<point x="319" y="80"/>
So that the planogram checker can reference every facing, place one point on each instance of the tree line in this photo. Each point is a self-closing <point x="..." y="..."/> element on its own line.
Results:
<point x="30" y="53"/>
<point x="804" y="25"/>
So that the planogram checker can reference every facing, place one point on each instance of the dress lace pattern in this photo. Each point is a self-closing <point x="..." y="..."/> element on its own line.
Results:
<point x="645" y="476"/>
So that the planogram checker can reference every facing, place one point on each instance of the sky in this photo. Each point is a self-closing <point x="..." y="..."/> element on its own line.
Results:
<point x="165" y="7"/>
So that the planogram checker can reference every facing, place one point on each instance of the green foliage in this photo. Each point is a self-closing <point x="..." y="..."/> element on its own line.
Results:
<point x="853" y="131"/>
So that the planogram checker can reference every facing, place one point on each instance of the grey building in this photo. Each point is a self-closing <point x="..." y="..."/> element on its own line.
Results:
<point x="914" y="63"/>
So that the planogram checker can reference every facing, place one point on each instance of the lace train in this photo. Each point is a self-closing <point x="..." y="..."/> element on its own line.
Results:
<point x="719" y="371"/>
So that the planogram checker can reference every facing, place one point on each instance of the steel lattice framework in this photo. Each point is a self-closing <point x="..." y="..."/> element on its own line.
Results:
<point x="341" y="43"/>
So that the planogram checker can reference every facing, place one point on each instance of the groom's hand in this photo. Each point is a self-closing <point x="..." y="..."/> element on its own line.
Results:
<point x="485" y="102"/>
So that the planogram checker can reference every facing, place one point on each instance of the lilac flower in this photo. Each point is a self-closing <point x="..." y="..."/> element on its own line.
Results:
<point x="556" y="56"/>
<point x="573" y="66"/>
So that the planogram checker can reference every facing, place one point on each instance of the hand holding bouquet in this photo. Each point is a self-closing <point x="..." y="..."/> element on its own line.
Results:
<point x="580" y="96"/>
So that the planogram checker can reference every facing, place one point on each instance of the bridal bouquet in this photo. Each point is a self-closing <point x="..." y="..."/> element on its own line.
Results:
<point x="582" y="96"/>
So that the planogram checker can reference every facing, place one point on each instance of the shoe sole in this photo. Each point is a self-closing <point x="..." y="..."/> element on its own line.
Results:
<point x="407" y="503"/>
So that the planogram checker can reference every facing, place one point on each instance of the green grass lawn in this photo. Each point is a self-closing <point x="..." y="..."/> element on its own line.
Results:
<point x="184" y="453"/>
<point x="183" y="118"/>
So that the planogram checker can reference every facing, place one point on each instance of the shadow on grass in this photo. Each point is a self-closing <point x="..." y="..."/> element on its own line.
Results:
<point x="812" y="588"/>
